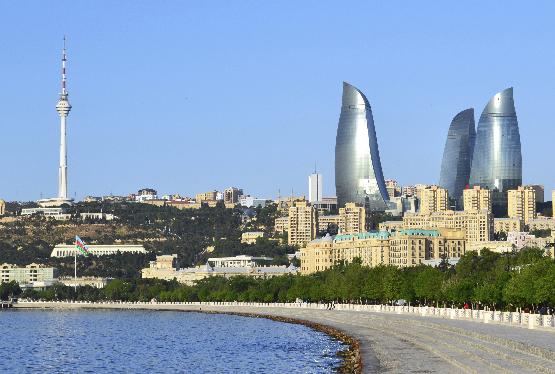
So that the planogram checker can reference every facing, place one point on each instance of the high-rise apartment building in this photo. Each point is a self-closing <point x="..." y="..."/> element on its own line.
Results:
<point x="303" y="223"/>
<point x="457" y="155"/>
<point x="358" y="170"/>
<point x="477" y="199"/>
<point x="231" y="195"/>
<point x="2" y="207"/>
<point x="497" y="163"/>
<point x="434" y="199"/>
<point x="352" y="219"/>
<point x="314" y="188"/>
<point x="540" y="192"/>
<point x="393" y="188"/>
<point x="522" y="203"/>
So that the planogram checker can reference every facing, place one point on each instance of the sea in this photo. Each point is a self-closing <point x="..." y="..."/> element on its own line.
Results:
<point x="120" y="341"/>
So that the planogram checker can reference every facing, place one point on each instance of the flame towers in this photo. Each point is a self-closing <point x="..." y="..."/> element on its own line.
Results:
<point x="457" y="154"/>
<point x="358" y="170"/>
<point x="497" y="160"/>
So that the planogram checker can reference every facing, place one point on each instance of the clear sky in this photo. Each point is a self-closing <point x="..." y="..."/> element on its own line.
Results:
<point x="187" y="96"/>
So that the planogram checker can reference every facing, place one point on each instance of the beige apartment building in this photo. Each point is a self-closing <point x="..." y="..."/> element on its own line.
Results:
<point x="477" y="225"/>
<point x="250" y="237"/>
<point x="352" y="219"/>
<point x="541" y="223"/>
<point x="2" y="207"/>
<point x="324" y="222"/>
<point x="403" y="248"/>
<point x="303" y="223"/>
<point x="476" y="199"/>
<point x="231" y="195"/>
<point x="522" y="203"/>
<point x="393" y="188"/>
<point x="281" y="225"/>
<point x="433" y="199"/>
<point x="540" y="192"/>
<point x="507" y="225"/>
<point x="390" y="226"/>
<point x="206" y="196"/>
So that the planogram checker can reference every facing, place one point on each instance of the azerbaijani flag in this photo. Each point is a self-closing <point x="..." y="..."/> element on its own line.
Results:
<point x="80" y="245"/>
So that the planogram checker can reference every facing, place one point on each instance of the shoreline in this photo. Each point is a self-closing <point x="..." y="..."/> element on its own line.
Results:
<point x="351" y="358"/>
<point x="382" y="341"/>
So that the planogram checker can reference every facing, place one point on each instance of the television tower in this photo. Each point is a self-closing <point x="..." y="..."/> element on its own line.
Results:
<point x="63" y="107"/>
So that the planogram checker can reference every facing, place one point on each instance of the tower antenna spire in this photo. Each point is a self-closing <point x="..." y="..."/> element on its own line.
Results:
<point x="64" y="59"/>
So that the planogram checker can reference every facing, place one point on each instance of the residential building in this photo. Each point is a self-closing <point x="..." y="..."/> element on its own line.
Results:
<point x="541" y="223"/>
<point x="281" y="225"/>
<point x="457" y="155"/>
<point x="326" y="205"/>
<point x="303" y="223"/>
<point x="477" y="225"/>
<point x="250" y="201"/>
<point x="507" y="225"/>
<point x="146" y="194"/>
<point x="434" y="199"/>
<point x="358" y="170"/>
<point x="32" y="275"/>
<point x="408" y="191"/>
<point x="522" y="203"/>
<point x="404" y="248"/>
<point x="540" y="192"/>
<point x="250" y="237"/>
<point x="477" y="199"/>
<point x="65" y="250"/>
<point x="314" y="187"/>
<point x="352" y="219"/>
<point x="231" y="195"/>
<point x="498" y="161"/>
<point x="206" y="196"/>
<point x="393" y="188"/>
<point x="399" y="205"/>
<point x="326" y="223"/>
<point x="390" y="226"/>
<point x="2" y="207"/>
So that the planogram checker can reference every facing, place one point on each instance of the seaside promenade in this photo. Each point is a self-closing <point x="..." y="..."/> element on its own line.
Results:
<point x="400" y="339"/>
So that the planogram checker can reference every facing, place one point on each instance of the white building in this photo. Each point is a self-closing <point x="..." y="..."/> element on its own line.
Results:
<point x="164" y="268"/>
<point x="238" y="261"/>
<point x="314" y="187"/>
<point x="65" y="250"/>
<point x="250" y="201"/>
<point x="30" y="276"/>
<point x="146" y="194"/>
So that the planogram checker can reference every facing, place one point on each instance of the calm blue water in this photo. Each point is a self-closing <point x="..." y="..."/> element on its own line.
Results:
<point x="84" y="341"/>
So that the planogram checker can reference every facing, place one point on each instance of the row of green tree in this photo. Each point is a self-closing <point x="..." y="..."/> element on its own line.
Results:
<point x="525" y="279"/>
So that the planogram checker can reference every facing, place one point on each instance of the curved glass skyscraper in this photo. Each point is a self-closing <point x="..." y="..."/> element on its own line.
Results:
<point x="358" y="170"/>
<point x="457" y="154"/>
<point x="497" y="159"/>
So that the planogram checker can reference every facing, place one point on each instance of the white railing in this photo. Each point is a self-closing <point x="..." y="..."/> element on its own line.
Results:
<point x="528" y="320"/>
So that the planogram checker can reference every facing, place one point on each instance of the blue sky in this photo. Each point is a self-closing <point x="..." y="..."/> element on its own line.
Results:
<point x="191" y="96"/>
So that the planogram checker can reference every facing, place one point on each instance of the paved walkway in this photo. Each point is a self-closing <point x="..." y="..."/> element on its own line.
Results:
<point x="392" y="343"/>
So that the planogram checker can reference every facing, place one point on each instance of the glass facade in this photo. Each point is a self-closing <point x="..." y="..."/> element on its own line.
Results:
<point x="497" y="159"/>
<point x="358" y="170"/>
<point x="457" y="155"/>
